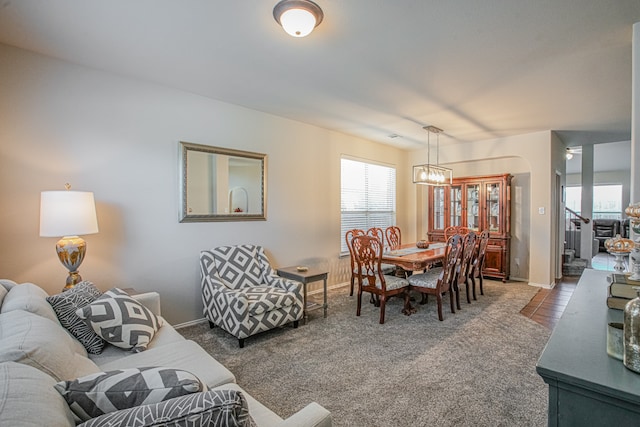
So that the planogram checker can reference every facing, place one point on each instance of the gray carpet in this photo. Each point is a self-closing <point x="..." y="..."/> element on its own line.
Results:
<point x="476" y="368"/>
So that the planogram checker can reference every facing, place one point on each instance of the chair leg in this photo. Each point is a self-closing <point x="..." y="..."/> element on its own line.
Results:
<point x="453" y="310"/>
<point x="359" y="305"/>
<point x="211" y="325"/>
<point x="439" y="300"/>
<point x="480" y="280"/>
<point x="456" y="289"/>
<point x="466" y="287"/>
<point x="241" y="342"/>
<point x="295" y="324"/>
<point x="352" y="284"/>
<point x="473" y="284"/>
<point x="383" y="302"/>
<point x="424" y="300"/>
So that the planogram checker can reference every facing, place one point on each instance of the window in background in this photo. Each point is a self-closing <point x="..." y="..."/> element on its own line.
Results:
<point x="607" y="200"/>
<point x="367" y="197"/>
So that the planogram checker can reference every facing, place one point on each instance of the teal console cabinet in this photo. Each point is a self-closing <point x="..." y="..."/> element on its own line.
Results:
<point x="587" y="387"/>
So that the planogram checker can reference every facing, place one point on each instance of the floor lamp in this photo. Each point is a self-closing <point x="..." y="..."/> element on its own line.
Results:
<point x="68" y="214"/>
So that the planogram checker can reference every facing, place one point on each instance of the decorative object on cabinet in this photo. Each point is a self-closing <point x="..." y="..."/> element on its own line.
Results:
<point x="477" y="203"/>
<point x="432" y="174"/>
<point x="68" y="214"/>
<point x="633" y="211"/>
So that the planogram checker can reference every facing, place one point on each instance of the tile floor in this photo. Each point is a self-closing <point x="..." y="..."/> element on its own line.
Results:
<point x="547" y="305"/>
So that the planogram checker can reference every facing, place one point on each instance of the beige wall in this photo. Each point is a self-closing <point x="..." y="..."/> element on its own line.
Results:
<point x="118" y="137"/>
<point x="533" y="159"/>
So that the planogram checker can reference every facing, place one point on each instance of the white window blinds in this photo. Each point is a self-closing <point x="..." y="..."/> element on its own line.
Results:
<point x="367" y="198"/>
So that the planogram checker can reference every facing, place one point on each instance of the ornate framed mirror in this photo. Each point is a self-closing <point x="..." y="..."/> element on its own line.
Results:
<point x="221" y="184"/>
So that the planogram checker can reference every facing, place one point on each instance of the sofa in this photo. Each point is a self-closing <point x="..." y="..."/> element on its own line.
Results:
<point x="48" y="377"/>
<point x="605" y="229"/>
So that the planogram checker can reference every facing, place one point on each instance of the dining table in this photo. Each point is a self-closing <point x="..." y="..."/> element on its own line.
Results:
<point x="409" y="258"/>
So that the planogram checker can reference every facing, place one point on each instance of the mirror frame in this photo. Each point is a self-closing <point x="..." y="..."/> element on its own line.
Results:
<point x="185" y="216"/>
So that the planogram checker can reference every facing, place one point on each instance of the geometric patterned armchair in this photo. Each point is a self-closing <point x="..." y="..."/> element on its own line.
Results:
<point x="243" y="295"/>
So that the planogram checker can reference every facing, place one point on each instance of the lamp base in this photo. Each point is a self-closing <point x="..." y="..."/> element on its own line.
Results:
<point x="71" y="251"/>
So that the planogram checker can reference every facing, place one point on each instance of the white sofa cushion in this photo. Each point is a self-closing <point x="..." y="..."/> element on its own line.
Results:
<point x="31" y="298"/>
<point x="165" y="335"/>
<point x="39" y="342"/>
<point x="187" y="355"/>
<point x="27" y="398"/>
<point x="104" y="392"/>
<point x="121" y="320"/>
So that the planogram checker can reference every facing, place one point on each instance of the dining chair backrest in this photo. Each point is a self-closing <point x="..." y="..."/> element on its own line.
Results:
<point x="483" y="241"/>
<point x="450" y="262"/>
<point x="348" y="236"/>
<point x="469" y="246"/>
<point x="368" y="254"/>
<point x="455" y="229"/>
<point x="455" y="240"/>
<point x="379" y="234"/>
<point x="394" y="237"/>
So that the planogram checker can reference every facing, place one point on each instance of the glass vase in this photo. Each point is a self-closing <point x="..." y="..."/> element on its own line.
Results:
<point x="631" y="356"/>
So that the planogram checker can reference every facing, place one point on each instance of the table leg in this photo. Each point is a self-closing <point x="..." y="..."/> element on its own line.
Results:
<point x="325" y="297"/>
<point x="408" y="309"/>
<point x="304" y="305"/>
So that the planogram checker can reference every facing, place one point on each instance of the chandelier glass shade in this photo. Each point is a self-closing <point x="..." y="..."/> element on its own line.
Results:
<point x="432" y="174"/>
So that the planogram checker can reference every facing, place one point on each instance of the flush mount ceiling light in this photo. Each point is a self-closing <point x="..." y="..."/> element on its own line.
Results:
<point x="298" y="17"/>
<point x="571" y="151"/>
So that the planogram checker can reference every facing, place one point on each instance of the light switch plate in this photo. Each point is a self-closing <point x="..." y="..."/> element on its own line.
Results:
<point x="541" y="210"/>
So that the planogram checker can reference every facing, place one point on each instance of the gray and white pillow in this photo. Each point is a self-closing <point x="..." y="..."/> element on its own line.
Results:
<point x="105" y="392"/>
<point x="210" y="408"/>
<point x="66" y="304"/>
<point x="121" y="320"/>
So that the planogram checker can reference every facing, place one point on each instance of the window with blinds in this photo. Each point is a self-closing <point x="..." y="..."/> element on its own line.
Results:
<point x="367" y="197"/>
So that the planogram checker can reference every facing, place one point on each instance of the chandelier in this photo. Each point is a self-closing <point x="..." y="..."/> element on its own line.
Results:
<point x="432" y="174"/>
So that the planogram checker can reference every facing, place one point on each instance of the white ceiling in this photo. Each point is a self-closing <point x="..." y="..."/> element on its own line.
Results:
<point x="613" y="156"/>
<point x="373" y="68"/>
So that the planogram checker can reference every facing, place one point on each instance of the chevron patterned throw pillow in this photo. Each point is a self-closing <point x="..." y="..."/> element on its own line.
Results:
<point x="121" y="320"/>
<point x="104" y="392"/>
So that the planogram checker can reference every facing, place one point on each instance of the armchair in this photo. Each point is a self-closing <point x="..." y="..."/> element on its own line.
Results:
<point x="243" y="295"/>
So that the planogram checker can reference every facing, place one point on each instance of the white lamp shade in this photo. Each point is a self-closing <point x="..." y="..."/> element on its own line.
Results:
<point x="67" y="213"/>
<point x="298" y="22"/>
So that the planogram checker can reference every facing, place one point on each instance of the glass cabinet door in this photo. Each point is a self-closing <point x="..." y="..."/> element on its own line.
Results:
<point x="473" y="207"/>
<point x="492" y="192"/>
<point x="438" y="208"/>
<point x="456" y="206"/>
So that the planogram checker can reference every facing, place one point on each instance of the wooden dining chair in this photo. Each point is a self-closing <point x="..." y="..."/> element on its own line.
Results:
<point x="394" y="237"/>
<point x="455" y="229"/>
<point x="348" y="236"/>
<point x="477" y="264"/>
<point x="438" y="281"/>
<point x="463" y="268"/>
<point x="379" y="234"/>
<point x="368" y="253"/>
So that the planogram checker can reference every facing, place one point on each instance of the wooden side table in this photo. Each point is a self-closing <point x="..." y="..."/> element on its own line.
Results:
<point x="306" y="277"/>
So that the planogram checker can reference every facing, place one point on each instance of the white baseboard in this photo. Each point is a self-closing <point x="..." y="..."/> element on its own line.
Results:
<point x="190" y="323"/>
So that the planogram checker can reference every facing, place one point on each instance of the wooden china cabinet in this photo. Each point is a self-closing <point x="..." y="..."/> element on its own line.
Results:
<point x="478" y="203"/>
